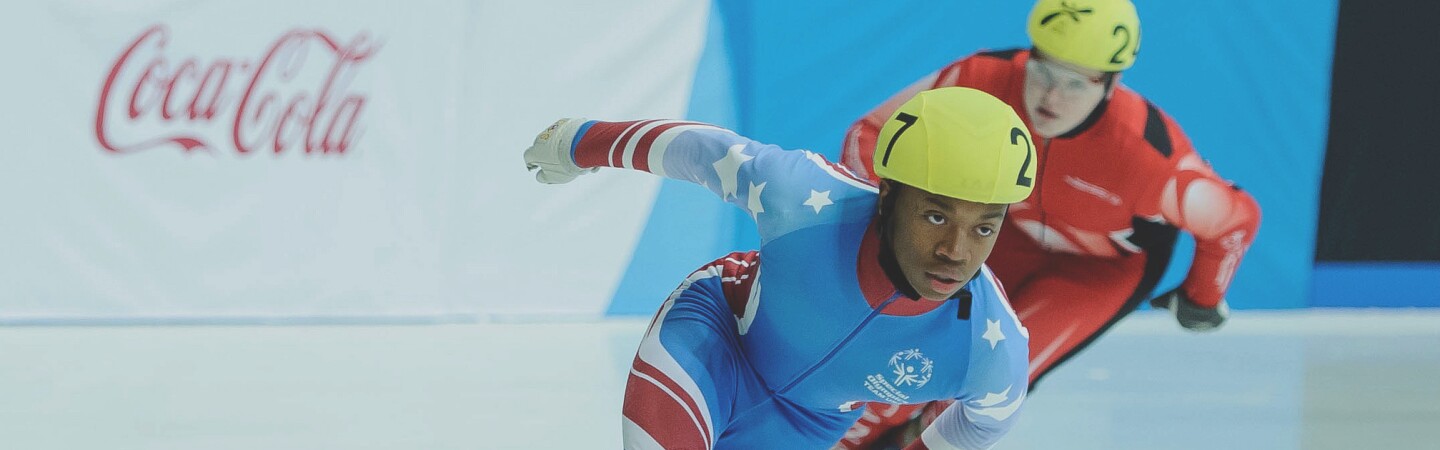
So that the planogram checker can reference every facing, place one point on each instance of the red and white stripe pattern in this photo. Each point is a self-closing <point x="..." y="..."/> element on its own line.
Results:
<point x="740" y="274"/>
<point x="664" y="408"/>
<point x="638" y="145"/>
<point x="840" y="172"/>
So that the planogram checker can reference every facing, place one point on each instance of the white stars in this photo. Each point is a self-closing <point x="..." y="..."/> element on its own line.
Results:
<point x="818" y="200"/>
<point x="992" y="398"/>
<point x="995" y="412"/>
<point x="755" y="207"/>
<point x="728" y="168"/>
<point x="993" y="333"/>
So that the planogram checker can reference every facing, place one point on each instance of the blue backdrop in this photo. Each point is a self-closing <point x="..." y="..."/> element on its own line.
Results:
<point x="1248" y="81"/>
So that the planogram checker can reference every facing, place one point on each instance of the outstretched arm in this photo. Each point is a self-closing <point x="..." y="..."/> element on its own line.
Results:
<point x="573" y="147"/>
<point x="762" y="179"/>
<point x="1222" y="218"/>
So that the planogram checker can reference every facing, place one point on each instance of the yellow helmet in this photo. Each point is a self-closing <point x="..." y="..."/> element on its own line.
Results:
<point x="1103" y="35"/>
<point x="960" y="143"/>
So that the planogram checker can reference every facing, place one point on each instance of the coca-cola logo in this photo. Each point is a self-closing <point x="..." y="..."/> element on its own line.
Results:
<point x="295" y="97"/>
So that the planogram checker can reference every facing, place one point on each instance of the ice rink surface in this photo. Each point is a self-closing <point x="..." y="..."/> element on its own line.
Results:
<point x="1316" y="379"/>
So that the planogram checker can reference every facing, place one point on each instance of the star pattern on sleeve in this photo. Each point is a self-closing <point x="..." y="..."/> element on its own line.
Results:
<point x="755" y="207"/>
<point x="818" y="200"/>
<point x="986" y="406"/>
<point x="728" y="168"/>
<point x="993" y="333"/>
<point x="993" y="398"/>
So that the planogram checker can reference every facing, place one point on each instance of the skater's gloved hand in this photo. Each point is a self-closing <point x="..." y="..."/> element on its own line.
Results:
<point x="550" y="155"/>
<point x="1190" y="315"/>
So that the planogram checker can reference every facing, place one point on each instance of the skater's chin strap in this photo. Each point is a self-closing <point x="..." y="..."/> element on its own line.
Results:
<point x="964" y="298"/>
<point x="892" y="271"/>
<point x="888" y="263"/>
<point x="891" y="266"/>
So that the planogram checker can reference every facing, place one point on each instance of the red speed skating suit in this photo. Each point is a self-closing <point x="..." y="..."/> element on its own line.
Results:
<point x="1093" y="239"/>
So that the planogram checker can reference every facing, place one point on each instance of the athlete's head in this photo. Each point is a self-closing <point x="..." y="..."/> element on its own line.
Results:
<point x="1081" y="46"/>
<point x="950" y="160"/>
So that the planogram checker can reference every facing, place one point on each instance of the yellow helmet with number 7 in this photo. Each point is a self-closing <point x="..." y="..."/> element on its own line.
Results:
<point x="960" y="143"/>
<point x="1103" y="35"/>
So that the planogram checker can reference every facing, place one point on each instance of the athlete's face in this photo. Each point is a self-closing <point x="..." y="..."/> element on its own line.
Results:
<point x="939" y="242"/>
<point x="1059" y="95"/>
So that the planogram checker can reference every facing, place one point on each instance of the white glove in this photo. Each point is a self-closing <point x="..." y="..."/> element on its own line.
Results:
<point x="550" y="153"/>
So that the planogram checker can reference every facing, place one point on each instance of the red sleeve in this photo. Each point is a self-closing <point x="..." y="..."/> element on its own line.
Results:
<point x="622" y="144"/>
<point x="1222" y="218"/>
<point x="596" y="140"/>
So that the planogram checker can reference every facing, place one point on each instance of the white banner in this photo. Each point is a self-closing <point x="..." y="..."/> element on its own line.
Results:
<point x="210" y="160"/>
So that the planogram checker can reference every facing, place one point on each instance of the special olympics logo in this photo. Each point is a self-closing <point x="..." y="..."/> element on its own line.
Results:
<point x="910" y="367"/>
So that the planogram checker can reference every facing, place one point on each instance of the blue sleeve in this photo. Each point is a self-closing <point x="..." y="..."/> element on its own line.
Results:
<point x="997" y="380"/>
<point x="782" y="190"/>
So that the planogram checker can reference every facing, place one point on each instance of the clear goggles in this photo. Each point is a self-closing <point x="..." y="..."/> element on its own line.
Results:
<point x="1069" y="83"/>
